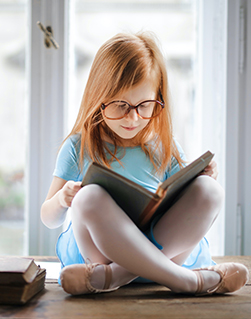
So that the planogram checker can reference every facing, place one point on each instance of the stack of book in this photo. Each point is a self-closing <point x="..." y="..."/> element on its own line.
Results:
<point x="20" y="280"/>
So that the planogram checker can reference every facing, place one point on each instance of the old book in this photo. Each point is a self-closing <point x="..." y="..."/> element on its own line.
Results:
<point x="20" y="294"/>
<point x="17" y="270"/>
<point x="140" y="204"/>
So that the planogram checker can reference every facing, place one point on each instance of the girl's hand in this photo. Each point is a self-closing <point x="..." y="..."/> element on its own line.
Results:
<point x="211" y="170"/>
<point x="68" y="192"/>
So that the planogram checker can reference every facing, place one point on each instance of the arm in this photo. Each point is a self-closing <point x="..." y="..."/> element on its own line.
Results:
<point x="58" y="200"/>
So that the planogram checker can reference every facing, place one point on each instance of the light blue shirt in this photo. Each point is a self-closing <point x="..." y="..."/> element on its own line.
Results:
<point x="136" y="165"/>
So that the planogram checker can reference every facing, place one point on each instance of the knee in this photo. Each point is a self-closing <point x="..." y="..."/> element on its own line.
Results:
<point x="88" y="201"/>
<point x="207" y="191"/>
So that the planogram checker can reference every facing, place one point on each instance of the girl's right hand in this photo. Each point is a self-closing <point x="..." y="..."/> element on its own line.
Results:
<point x="68" y="192"/>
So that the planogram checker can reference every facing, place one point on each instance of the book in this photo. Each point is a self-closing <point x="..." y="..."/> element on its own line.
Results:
<point x="17" y="270"/>
<point x="21" y="294"/>
<point x="140" y="204"/>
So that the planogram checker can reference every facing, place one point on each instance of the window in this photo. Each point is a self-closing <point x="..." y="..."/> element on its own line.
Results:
<point x="13" y="111"/>
<point x="179" y="26"/>
<point x="197" y="68"/>
<point x="174" y="24"/>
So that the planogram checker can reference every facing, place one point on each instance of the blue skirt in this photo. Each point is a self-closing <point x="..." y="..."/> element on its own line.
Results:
<point x="68" y="252"/>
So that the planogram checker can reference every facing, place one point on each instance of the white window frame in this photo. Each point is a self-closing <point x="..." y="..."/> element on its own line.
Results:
<point x="238" y="130"/>
<point x="48" y="76"/>
<point x="47" y="113"/>
<point x="211" y="96"/>
<point x="225" y="75"/>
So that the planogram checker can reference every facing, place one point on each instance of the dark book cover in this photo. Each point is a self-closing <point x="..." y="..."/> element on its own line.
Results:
<point x="20" y="294"/>
<point x="137" y="202"/>
<point x="17" y="270"/>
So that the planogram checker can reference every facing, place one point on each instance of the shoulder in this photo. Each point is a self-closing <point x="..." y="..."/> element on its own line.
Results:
<point x="71" y="146"/>
<point x="67" y="164"/>
<point x="72" y="141"/>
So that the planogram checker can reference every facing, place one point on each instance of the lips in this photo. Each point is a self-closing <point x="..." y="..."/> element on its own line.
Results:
<point x="129" y="128"/>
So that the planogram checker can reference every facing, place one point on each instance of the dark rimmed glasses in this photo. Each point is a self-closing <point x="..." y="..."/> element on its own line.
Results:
<point x="146" y="110"/>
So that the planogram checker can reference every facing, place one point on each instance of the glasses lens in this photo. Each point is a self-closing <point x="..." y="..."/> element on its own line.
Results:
<point x="149" y="109"/>
<point x="116" y="109"/>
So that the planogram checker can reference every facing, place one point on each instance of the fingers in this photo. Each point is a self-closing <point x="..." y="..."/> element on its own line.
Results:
<point x="211" y="170"/>
<point x="72" y="187"/>
<point x="68" y="192"/>
<point x="67" y="201"/>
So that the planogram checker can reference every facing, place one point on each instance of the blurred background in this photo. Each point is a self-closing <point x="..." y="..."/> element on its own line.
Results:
<point x="91" y="23"/>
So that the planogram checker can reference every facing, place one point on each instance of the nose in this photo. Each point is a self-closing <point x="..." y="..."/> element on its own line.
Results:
<point x="132" y="115"/>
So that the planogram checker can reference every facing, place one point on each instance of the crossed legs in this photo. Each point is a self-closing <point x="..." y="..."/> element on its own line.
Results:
<point x="105" y="234"/>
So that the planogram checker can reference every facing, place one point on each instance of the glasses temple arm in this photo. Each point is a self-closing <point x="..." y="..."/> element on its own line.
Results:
<point x="161" y="97"/>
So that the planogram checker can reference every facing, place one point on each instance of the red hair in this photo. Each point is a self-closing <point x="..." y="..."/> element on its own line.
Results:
<point x="122" y="62"/>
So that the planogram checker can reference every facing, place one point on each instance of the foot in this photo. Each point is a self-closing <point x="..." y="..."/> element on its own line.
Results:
<point x="233" y="276"/>
<point x="75" y="279"/>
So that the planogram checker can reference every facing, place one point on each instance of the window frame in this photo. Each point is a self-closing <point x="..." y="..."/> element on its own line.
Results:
<point x="238" y="148"/>
<point x="211" y="96"/>
<point x="48" y="76"/>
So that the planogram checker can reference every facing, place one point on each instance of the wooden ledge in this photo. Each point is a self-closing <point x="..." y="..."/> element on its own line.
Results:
<point x="139" y="301"/>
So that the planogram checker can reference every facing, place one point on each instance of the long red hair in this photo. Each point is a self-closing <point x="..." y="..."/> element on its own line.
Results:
<point x="122" y="62"/>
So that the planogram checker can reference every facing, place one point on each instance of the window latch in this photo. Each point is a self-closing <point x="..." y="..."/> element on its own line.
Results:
<point x="49" y="41"/>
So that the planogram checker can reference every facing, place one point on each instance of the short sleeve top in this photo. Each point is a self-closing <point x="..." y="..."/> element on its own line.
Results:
<point x="135" y="164"/>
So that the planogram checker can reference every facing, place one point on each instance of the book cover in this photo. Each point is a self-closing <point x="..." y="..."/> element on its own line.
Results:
<point x="17" y="270"/>
<point x="20" y="294"/>
<point x="140" y="204"/>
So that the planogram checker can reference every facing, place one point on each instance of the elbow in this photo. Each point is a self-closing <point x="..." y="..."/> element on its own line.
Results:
<point x="44" y="216"/>
<point x="51" y="219"/>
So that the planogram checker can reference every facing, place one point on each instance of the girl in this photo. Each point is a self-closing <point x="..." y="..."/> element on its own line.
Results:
<point x="124" y="123"/>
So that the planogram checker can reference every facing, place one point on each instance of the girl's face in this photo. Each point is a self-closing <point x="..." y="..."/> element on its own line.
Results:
<point x="130" y="125"/>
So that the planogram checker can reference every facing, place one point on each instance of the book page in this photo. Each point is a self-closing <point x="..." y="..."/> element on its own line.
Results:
<point x="52" y="269"/>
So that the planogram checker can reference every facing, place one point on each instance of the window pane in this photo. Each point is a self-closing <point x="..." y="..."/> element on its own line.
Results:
<point x="173" y="22"/>
<point x="13" y="37"/>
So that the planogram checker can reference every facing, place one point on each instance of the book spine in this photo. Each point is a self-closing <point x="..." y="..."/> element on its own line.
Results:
<point x="160" y="191"/>
<point x="148" y="212"/>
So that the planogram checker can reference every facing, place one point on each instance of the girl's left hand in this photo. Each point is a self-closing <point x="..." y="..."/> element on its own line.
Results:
<point x="211" y="170"/>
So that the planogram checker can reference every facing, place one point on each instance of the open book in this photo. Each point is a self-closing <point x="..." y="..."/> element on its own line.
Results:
<point x="137" y="202"/>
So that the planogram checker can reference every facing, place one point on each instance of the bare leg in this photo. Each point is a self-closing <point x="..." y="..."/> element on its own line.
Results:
<point x="120" y="241"/>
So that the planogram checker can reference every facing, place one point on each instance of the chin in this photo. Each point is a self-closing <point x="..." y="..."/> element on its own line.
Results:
<point x="127" y="137"/>
<point x="127" y="140"/>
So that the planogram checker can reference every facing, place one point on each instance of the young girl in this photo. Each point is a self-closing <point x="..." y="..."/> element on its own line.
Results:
<point x="124" y="123"/>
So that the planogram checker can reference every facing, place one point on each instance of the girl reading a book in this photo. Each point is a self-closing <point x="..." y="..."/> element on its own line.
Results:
<point x="124" y="123"/>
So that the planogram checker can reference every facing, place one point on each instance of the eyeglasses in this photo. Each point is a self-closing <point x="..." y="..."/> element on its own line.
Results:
<point x="146" y="110"/>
